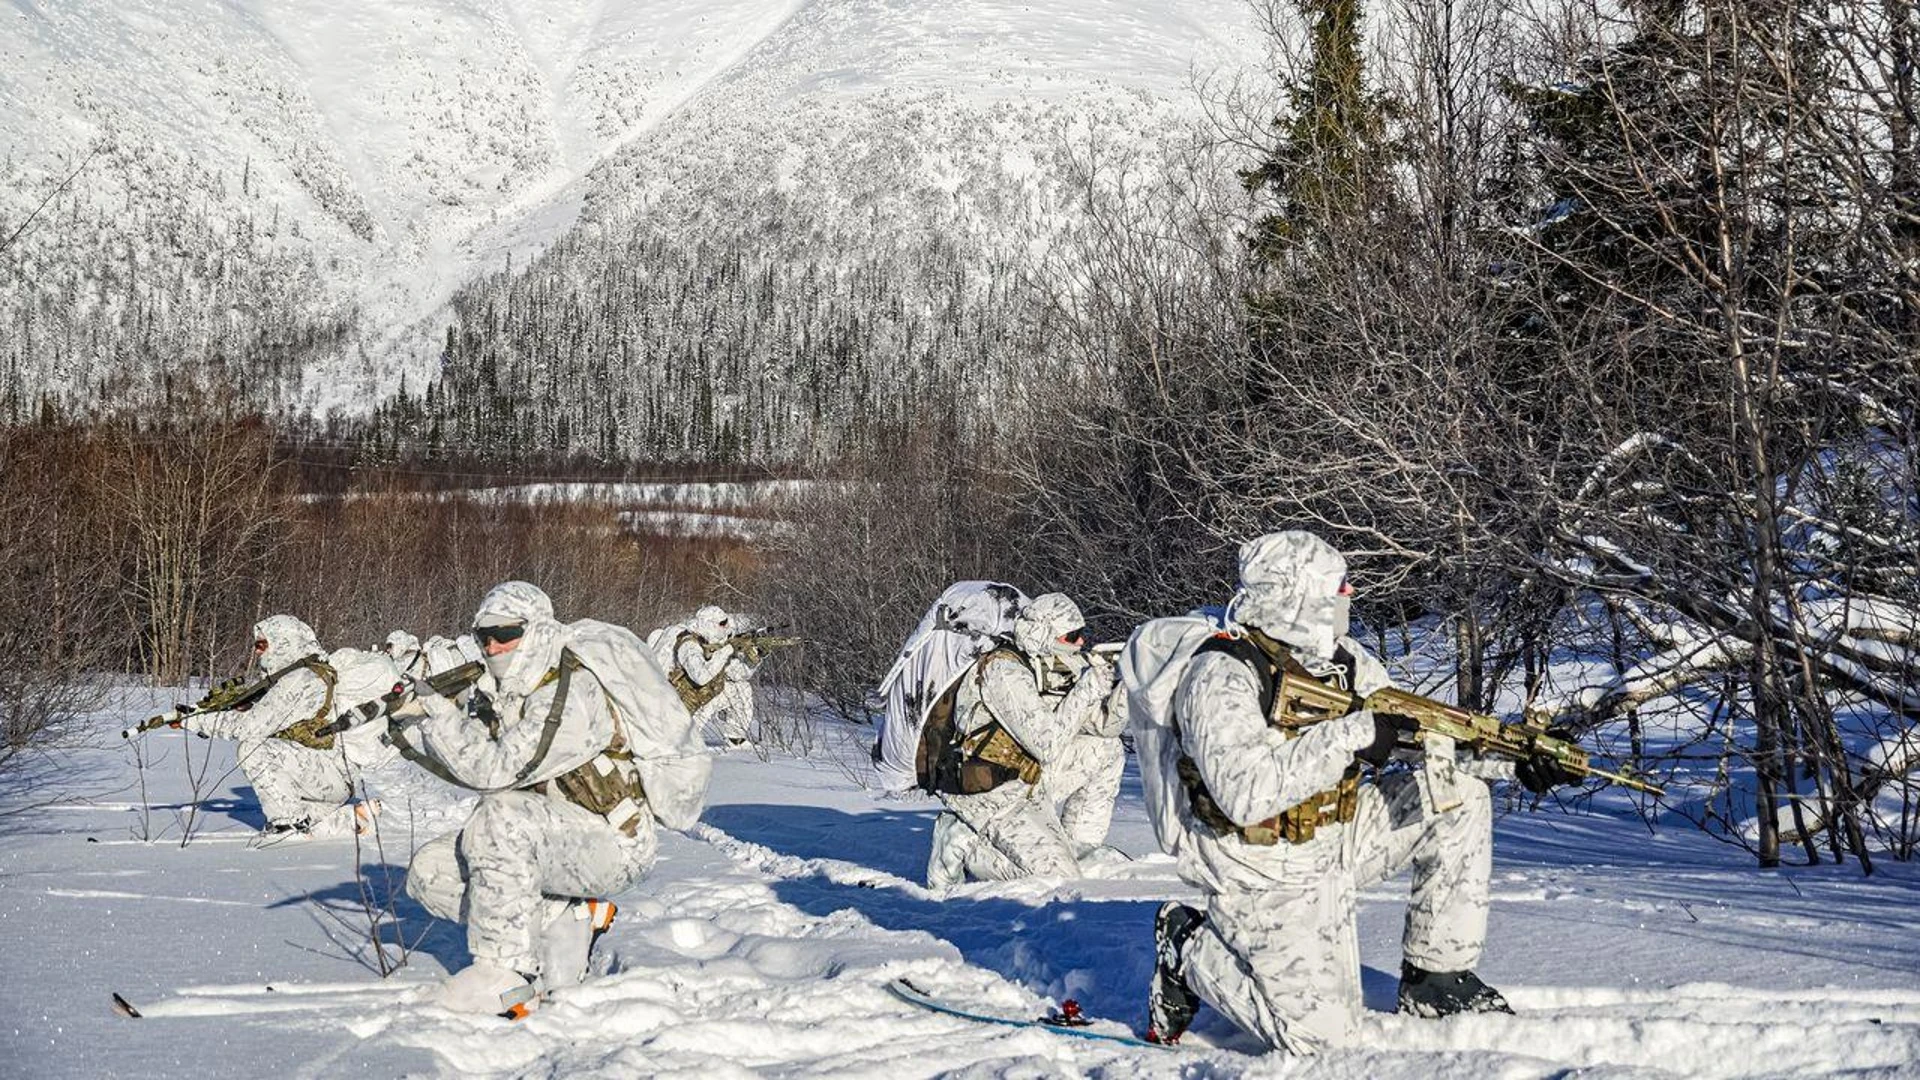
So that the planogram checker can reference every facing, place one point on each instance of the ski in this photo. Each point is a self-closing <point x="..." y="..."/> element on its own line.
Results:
<point x="1065" y="1021"/>
<point x="285" y="997"/>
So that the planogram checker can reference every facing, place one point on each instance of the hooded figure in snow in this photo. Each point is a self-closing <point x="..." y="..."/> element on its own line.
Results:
<point x="1280" y="832"/>
<point x="405" y="651"/>
<point x="1013" y="720"/>
<point x="537" y="736"/>
<point x="714" y="676"/>
<point x="302" y="787"/>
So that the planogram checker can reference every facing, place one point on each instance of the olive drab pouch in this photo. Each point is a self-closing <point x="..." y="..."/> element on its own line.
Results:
<point x="308" y="732"/>
<point x="609" y="785"/>
<point x="952" y="763"/>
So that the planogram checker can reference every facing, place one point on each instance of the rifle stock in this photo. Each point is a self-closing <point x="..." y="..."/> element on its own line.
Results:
<point x="448" y="683"/>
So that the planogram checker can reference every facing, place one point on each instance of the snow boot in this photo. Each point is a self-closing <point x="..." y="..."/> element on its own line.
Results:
<point x="947" y="862"/>
<point x="350" y="819"/>
<point x="1171" y="1003"/>
<point x="567" y="946"/>
<point x="484" y="989"/>
<point x="1434" y="994"/>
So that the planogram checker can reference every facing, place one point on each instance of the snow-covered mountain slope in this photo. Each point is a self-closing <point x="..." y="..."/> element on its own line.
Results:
<point x="365" y="160"/>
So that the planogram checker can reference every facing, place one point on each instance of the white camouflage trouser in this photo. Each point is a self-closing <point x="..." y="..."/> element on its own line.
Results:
<point x="1284" y="964"/>
<point x="512" y="870"/>
<point x="1083" y="785"/>
<point x="730" y="713"/>
<point x="999" y="835"/>
<point x="294" y="783"/>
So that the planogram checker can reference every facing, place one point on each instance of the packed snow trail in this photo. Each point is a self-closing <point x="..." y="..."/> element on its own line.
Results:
<point x="762" y="945"/>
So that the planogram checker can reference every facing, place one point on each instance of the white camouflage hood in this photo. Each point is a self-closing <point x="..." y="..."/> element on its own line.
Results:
<point x="401" y="644"/>
<point x="520" y="603"/>
<point x="1046" y="618"/>
<point x="712" y="623"/>
<point x="288" y="639"/>
<point x="1290" y="590"/>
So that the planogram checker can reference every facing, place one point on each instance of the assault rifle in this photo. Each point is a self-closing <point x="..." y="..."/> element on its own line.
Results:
<point x="448" y="683"/>
<point x="1488" y="737"/>
<point x="754" y="645"/>
<point x="234" y="693"/>
<point x="1309" y="698"/>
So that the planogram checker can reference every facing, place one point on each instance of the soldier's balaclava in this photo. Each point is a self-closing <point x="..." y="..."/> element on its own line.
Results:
<point x="288" y="639"/>
<point x="520" y="603"/>
<point x="1292" y="588"/>
<point x="713" y="624"/>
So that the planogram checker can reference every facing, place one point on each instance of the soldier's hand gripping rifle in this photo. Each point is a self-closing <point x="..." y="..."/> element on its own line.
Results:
<point x="1488" y="737"/>
<point x="234" y="693"/>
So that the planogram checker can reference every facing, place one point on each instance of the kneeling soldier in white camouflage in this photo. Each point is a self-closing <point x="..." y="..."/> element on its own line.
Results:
<point x="1279" y="830"/>
<point x="562" y="822"/>
<point x="300" y="776"/>
<point x="988" y="743"/>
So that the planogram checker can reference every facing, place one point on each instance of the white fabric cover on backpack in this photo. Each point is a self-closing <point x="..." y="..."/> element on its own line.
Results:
<point x="361" y="676"/>
<point x="958" y="629"/>
<point x="1150" y="668"/>
<point x="440" y="654"/>
<point x="674" y="765"/>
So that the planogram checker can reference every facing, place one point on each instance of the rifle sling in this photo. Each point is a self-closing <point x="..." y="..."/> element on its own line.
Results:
<point x="397" y="735"/>
<point x="569" y="663"/>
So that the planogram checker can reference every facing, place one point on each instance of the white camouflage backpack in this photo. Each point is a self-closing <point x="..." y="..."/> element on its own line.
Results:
<point x="673" y="764"/>
<point x="1151" y="665"/>
<point x="963" y="625"/>
<point x="361" y="679"/>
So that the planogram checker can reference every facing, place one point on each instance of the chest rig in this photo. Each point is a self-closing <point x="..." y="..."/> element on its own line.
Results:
<point x="691" y="695"/>
<point x="953" y="762"/>
<point x="308" y="732"/>
<point x="1292" y="699"/>
<point x="607" y="785"/>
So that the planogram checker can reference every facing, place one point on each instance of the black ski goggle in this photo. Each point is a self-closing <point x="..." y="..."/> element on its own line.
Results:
<point x="487" y="635"/>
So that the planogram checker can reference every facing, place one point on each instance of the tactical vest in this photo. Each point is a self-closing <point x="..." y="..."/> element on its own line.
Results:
<point x="307" y="732"/>
<point x="1292" y="700"/>
<point x="692" y="695"/>
<point x="608" y="784"/>
<point x="949" y="762"/>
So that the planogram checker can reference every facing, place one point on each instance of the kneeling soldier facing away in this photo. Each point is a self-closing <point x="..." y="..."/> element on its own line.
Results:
<point x="1280" y="830"/>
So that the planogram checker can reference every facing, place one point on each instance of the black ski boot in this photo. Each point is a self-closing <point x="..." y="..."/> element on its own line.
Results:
<point x="1434" y="994"/>
<point x="1170" y="1001"/>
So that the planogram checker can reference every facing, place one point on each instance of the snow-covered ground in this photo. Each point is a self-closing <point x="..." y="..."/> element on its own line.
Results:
<point x="762" y="942"/>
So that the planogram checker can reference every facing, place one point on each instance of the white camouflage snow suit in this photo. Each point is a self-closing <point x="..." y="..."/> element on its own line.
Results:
<point x="701" y="651"/>
<point x="1086" y="780"/>
<point x="298" y="786"/>
<point x="1277" y="953"/>
<point x="511" y="872"/>
<point x="1011" y="831"/>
